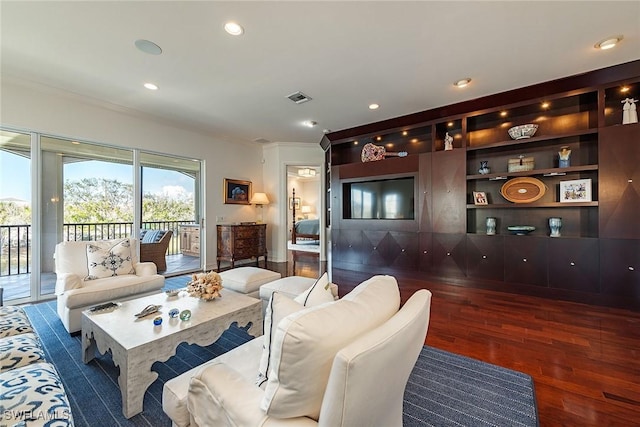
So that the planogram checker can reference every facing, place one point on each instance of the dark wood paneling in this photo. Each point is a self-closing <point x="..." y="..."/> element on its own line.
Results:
<point x="485" y="256"/>
<point x="389" y="166"/>
<point x="448" y="179"/>
<point x="525" y="260"/>
<point x="620" y="268"/>
<point x="425" y="193"/>
<point x="574" y="264"/>
<point x="347" y="246"/>
<point x="449" y="257"/>
<point x="402" y="250"/>
<point x="619" y="192"/>
<point x="426" y="252"/>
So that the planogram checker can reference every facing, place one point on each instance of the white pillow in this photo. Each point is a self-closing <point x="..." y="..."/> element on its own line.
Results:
<point x="318" y="293"/>
<point x="106" y="259"/>
<point x="305" y="343"/>
<point x="279" y="307"/>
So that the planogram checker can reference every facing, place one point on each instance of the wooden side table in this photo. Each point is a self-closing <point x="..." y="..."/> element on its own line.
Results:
<point x="241" y="241"/>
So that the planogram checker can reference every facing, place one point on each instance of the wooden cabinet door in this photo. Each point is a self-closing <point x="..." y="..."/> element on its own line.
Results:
<point x="425" y="202"/>
<point x="574" y="264"/>
<point x="347" y="247"/>
<point x="425" y="257"/>
<point x="525" y="260"/>
<point x="619" y="182"/>
<point x="485" y="256"/>
<point x="620" y="267"/>
<point x="448" y="183"/>
<point x="449" y="254"/>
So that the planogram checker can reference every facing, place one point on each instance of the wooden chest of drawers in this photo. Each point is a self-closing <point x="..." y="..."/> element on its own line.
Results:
<point x="236" y="242"/>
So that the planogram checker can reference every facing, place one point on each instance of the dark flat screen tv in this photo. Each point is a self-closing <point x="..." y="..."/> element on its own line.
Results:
<point x="379" y="199"/>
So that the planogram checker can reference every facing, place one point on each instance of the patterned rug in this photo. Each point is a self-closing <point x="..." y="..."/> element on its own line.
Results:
<point x="444" y="389"/>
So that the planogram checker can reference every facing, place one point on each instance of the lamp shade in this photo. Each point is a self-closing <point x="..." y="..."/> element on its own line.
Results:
<point x="306" y="209"/>
<point x="259" y="199"/>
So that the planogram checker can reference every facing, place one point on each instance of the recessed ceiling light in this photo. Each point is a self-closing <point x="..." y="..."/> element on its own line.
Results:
<point x="309" y="123"/>
<point x="608" y="43"/>
<point x="373" y="106"/>
<point x="151" y="86"/>
<point x="149" y="47"/>
<point x="462" y="82"/>
<point x="233" y="28"/>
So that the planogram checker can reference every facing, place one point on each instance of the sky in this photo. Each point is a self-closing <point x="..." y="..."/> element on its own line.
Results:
<point x="15" y="176"/>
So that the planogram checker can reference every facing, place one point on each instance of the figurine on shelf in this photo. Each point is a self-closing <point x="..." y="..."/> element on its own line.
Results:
<point x="484" y="168"/>
<point x="629" y="112"/>
<point x="448" y="142"/>
<point x="563" y="157"/>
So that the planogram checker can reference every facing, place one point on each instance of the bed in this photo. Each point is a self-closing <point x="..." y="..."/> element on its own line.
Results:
<point x="305" y="236"/>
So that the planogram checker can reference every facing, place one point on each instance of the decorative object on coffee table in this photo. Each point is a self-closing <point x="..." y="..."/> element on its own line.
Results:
<point x="206" y="286"/>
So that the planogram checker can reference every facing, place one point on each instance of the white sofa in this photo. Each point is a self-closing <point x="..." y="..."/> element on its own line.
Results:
<point x="75" y="294"/>
<point x="342" y="363"/>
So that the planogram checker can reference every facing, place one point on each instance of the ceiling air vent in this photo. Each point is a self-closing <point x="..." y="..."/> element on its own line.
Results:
<point x="299" y="97"/>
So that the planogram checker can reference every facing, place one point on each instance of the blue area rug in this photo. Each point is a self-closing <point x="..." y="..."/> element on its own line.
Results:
<point x="444" y="389"/>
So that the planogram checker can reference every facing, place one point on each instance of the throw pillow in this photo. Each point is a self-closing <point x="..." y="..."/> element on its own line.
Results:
<point x="279" y="307"/>
<point x="318" y="293"/>
<point x="106" y="259"/>
<point x="305" y="343"/>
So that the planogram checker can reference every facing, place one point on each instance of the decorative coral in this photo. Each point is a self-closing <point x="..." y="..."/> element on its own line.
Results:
<point x="206" y="286"/>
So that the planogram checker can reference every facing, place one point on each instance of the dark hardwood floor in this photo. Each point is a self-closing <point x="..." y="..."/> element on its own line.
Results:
<point x="584" y="359"/>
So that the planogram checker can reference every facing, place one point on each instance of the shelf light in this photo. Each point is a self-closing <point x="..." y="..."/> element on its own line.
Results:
<point x="625" y="89"/>
<point x="405" y="133"/>
<point x="545" y="105"/>
<point x="378" y="138"/>
<point x="450" y="124"/>
<point x="503" y="114"/>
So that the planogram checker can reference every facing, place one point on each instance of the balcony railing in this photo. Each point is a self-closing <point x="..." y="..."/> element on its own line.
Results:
<point x="15" y="240"/>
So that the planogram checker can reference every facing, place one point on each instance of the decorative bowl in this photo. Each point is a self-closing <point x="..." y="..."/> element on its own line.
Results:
<point x="173" y="292"/>
<point x="521" y="230"/>
<point x="523" y="131"/>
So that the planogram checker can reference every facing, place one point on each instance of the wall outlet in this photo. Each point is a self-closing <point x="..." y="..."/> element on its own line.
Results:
<point x="219" y="218"/>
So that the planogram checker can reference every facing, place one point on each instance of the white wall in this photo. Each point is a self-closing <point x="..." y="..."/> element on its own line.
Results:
<point x="34" y="108"/>
<point x="277" y="156"/>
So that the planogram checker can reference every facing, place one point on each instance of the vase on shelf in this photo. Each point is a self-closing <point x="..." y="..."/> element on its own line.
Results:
<point x="484" y="168"/>
<point x="555" y="224"/>
<point x="564" y="157"/>
<point x="491" y="226"/>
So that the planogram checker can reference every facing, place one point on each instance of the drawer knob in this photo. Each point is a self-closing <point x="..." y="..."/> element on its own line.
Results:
<point x="631" y="268"/>
<point x="403" y="250"/>
<point x="375" y="247"/>
<point x="572" y="264"/>
<point x="484" y="257"/>
<point x="524" y="260"/>
<point x="424" y="252"/>
<point x="448" y="253"/>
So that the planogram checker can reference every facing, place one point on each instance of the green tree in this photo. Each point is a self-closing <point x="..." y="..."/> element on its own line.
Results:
<point x="14" y="214"/>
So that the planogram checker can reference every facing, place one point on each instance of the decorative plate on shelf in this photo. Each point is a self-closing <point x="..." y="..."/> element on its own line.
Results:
<point x="521" y="230"/>
<point x="523" y="190"/>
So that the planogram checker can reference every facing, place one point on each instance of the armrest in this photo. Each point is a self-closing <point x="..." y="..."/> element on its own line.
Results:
<point x="145" y="269"/>
<point x="220" y="396"/>
<point x="66" y="282"/>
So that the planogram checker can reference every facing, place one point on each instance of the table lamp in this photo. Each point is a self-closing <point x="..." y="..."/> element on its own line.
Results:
<point x="259" y="199"/>
<point x="306" y="210"/>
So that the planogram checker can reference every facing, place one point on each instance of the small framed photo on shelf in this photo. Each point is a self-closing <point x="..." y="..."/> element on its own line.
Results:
<point x="480" y="198"/>
<point x="236" y="192"/>
<point x="577" y="190"/>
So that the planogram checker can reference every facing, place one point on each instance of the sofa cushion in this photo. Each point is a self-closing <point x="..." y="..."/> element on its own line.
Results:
<point x="318" y="293"/>
<point x="71" y="257"/>
<point x="37" y="390"/>
<point x="20" y="350"/>
<point x="306" y="342"/>
<point x="151" y="236"/>
<point x="279" y="307"/>
<point x="13" y="321"/>
<point x="105" y="259"/>
<point x="291" y="286"/>
<point x="247" y="280"/>
<point x="110" y="289"/>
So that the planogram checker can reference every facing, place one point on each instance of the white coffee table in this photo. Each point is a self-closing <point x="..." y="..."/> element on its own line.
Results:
<point x="136" y="344"/>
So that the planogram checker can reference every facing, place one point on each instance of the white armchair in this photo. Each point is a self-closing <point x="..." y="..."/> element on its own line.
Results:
<point x="75" y="293"/>
<point x="364" y="385"/>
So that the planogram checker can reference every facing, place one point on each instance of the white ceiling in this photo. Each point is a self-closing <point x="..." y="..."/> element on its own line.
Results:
<point x="345" y="55"/>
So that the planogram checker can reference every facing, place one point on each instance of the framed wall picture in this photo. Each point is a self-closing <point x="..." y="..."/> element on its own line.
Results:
<point x="236" y="192"/>
<point x="294" y="201"/>
<point x="577" y="190"/>
<point x="480" y="198"/>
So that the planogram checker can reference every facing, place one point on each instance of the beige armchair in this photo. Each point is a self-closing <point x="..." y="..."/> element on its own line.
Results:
<point x="155" y="252"/>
